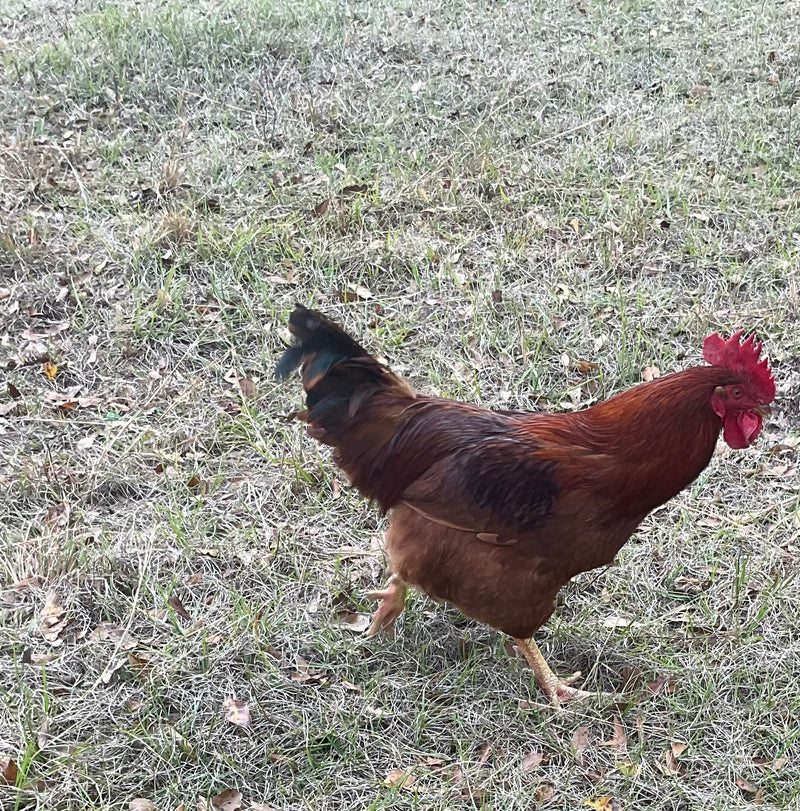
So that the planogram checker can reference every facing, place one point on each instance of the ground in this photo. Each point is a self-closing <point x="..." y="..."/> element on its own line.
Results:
<point x="518" y="204"/>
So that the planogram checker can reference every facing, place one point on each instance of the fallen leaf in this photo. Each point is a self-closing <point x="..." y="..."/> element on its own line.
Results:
<point x="112" y="632"/>
<point x="650" y="373"/>
<point x="580" y="740"/>
<point x="228" y="800"/>
<point x="585" y="366"/>
<point x="604" y="804"/>
<point x="619" y="739"/>
<point x="197" y="484"/>
<point x="237" y="712"/>
<point x="354" y="189"/>
<point x="699" y="90"/>
<point x="8" y="772"/>
<point x="778" y="763"/>
<point x="352" y="621"/>
<point x="4" y="293"/>
<point x="627" y="768"/>
<point x="399" y="778"/>
<point x="140" y="804"/>
<point x="177" y="606"/>
<point x="670" y="767"/>
<point x="320" y="208"/>
<point x="27" y="584"/>
<point x="348" y="685"/>
<point x="678" y="748"/>
<point x="545" y="793"/>
<point x="663" y="684"/>
<point x="85" y="443"/>
<point x="50" y="370"/>
<point x="58" y="515"/>
<point x="745" y="786"/>
<point x="574" y="225"/>
<point x="484" y="753"/>
<point x="354" y="292"/>
<point x="247" y="387"/>
<point x="52" y="621"/>
<point x="304" y="673"/>
<point x="195" y="579"/>
<point x="531" y="762"/>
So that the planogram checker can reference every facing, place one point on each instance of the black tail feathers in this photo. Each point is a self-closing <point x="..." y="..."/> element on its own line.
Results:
<point x="319" y="344"/>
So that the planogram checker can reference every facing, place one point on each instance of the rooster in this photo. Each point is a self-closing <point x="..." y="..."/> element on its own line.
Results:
<point x="495" y="511"/>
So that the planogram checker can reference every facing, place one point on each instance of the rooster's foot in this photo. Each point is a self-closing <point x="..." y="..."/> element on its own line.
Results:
<point x="392" y="601"/>
<point x="558" y="691"/>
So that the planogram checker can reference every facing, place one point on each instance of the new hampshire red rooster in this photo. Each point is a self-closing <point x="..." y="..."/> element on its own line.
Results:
<point x="495" y="511"/>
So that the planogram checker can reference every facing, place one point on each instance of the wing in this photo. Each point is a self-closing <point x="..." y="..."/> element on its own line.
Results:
<point x="487" y="472"/>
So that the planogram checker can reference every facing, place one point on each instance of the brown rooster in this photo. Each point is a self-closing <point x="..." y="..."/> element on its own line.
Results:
<point x="495" y="511"/>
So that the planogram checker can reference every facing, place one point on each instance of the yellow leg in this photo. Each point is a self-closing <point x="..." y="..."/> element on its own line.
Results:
<point x="557" y="690"/>
<point x="392" y="601"/>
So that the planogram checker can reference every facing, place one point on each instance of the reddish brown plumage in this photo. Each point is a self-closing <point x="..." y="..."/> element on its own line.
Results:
<point x="495" y="511"/>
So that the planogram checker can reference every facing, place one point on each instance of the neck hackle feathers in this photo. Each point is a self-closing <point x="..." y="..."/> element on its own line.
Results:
<point x="742" y="357"/>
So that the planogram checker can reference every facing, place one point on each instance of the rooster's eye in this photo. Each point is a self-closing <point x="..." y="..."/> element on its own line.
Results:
<point x="736" y="393"/>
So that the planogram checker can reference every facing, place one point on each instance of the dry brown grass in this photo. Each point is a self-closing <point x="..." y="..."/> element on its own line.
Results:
<point x="512" y="183"/>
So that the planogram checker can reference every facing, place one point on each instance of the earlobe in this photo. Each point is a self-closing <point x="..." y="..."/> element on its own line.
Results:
<point x="718" y="399"/>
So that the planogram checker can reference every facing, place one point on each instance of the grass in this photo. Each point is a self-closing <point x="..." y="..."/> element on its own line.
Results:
<point x="516" y="187"/>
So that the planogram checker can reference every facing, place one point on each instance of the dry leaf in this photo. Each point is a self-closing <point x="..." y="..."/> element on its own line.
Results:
<point x="228" y="800"/>
<point x="745" y="786"/>
<point x="50" y="370"/>
<point x="58" y="516"/>
<point x="574" y="225"/>
<point x="237" y="712"/>
<point x="531" y="762"/>
<point x="663" y="684"/>
<point x="604" y="804"/>
<point x="348" y="685"/>
<point x="197" y="484"/>
<point x="353" y="292"/>
<point x="140" y="804"/>
<point x="699" y="90"/>
<point x="678" y="748"/>
<point x="4" y="293"/>
<point x="351" y="621"/>
<point x="619" y="739"/>
<point x="320" y="208"/>
<point x="627" y="768"/>
<point x="585" y="366"/>
<point x="52" y="621"/>
<point x="670" y="767"/>
<point x="177" y="606"/>
<point x="8" y="772"/>
<point x="650" y="373"/>
<point x="484" y="753"/>
<point x="580" y="740"/>
<point x="85" y="443"/>
<point x="545" y="793"/>
<point x="399" y="778"/>
<point x="247" y="387"/>
<point x="113" y="632"/>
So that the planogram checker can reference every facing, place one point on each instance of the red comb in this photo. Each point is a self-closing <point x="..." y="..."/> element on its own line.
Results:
<point x="743" y="357"/>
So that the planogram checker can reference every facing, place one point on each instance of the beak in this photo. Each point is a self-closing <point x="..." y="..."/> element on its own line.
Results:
<point x="762" y="411"/>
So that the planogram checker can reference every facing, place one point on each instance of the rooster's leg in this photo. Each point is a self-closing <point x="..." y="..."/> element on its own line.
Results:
<point x="392" y="600"/>
<point x="557" y="690"/>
